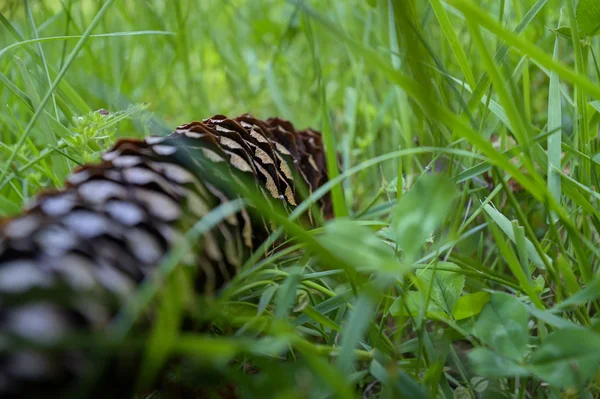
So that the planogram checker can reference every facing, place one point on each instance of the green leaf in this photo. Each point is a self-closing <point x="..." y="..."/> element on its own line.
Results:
<point x="489" y="364"/>
<point x="286" y="296"/>
<point x="446" y="286"/>
<point x="60" y="38"/>
<point x="359" y="247"/>
<point x="588" y="17"/>
<point x="551" y="319"/>
<point x="166" y="328"/>
<point x="563" y="31"/>
<point x="411" y="303"/>
<point x="331" y="161"/>
<point x="327" y="306"/>
<point x="451" y="36"/>
<point x="567" y="358"/>
<point x="40" y="108"/>
<point x="473" y="13"/>
<point x="568" y="275"/>
<point x="596" y="105"/>
<point x="266" y="297"/>
<point x="220" y="350"/>
<point x="208" y="349"/>
<point x="444" y="289"/>
<point x="554" y="139"/>
<point x="502" y="326"/>
<point x="421" y="211"/>
<point x="330" y="376"/>
<point x="319" y="318"/>
<point x="470" y="305"/>
<point x="462" y="393"/>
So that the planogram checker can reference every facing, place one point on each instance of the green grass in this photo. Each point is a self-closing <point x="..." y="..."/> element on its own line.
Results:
<point x="463" y="260"/>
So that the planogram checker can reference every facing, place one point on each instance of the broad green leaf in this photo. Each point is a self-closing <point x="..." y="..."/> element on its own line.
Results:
<point x="444" y="289"/>
<point x="421" y="211"/>
<point x="412" y="304"/>
<point x="502" y="326"/>
<point x="588" y="17"/>
<point x="462" y="393"/>
<point x="490" y="364"/>
<point x="470" y="305"/>
<point x="563" y="31"/>
<point x="567" y="358"/>
<point x="446" y="286"/>
<point x="359" y="247"/>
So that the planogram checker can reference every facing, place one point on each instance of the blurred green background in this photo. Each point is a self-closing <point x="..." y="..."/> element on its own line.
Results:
<point x="188" y="60"/>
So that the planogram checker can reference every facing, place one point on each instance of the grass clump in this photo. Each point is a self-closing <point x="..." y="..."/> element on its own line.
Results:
<point x="463" y="258"/>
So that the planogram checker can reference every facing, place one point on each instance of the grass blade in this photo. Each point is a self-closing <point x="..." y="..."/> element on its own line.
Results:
<point x="54" y="85"/>
<point x="459" y="53"/>
<point x="554" y="125"/>
<point x="476" y="16"/>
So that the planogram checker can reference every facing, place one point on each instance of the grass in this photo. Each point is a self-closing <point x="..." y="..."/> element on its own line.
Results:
<point x="463" y="258"/>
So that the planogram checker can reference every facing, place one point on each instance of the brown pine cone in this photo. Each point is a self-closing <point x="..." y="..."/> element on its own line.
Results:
<point x="72" y="258"/>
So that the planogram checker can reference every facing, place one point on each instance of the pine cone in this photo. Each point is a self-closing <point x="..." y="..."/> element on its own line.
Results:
<point x="72" y="258"/>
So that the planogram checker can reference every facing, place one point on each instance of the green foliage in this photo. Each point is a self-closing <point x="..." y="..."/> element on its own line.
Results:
<point x="502" y="326"/>
<point x="478" y="278"/>
<point x="421" y="211"/>
<point x="568" y="357"/>
<point x="441" y="288"/>
<point x="470" y="305"/>
<point x="588" y="17"/>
